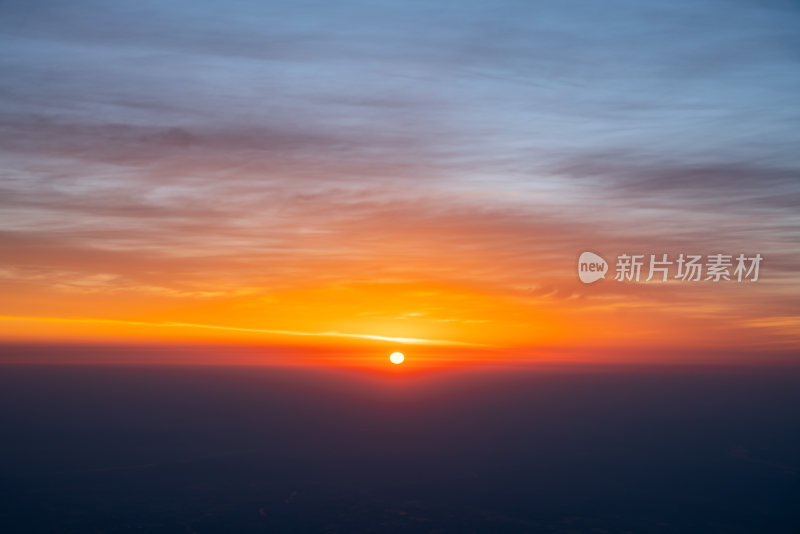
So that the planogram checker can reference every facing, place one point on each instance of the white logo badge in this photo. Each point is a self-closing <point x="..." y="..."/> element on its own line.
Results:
<point x="591" y="267"/>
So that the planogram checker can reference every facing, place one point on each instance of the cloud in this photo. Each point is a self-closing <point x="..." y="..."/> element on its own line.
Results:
<point x="188" y="150"/>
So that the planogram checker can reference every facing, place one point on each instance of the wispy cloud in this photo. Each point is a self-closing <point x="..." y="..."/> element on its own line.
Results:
<point x="198" y="153"/>
<point x="273" y="334"/>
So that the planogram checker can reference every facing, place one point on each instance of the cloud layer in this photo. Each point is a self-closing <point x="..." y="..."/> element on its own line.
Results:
<point x="191" y="152"/>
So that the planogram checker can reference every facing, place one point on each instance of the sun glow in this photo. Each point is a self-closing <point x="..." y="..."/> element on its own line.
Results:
<point x="397" y="358"/>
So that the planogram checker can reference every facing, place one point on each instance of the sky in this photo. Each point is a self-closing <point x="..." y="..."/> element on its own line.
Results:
<point x="372" y="175"/>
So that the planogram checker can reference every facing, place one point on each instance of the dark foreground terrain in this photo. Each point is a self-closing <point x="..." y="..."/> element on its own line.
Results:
<point x="204" y="449"/>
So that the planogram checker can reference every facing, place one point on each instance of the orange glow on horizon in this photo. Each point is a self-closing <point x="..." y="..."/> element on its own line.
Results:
<point x="518" y="314"/>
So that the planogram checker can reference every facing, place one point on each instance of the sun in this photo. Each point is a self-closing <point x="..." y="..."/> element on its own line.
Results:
<point x="396" y="358"/>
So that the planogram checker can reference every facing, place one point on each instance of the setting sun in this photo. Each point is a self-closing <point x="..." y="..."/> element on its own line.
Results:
<point x="397" y="358"/>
